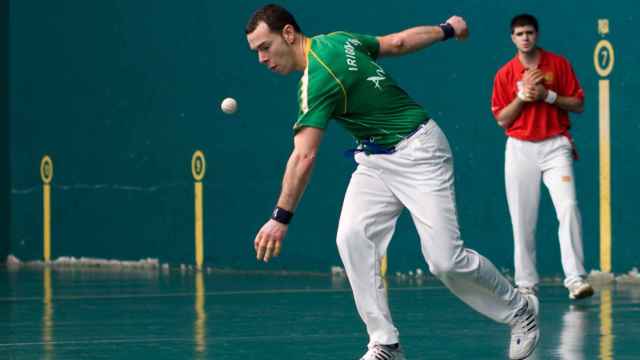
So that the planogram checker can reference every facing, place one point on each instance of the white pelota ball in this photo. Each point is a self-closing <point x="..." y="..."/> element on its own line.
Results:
<point x="229" y="105"/>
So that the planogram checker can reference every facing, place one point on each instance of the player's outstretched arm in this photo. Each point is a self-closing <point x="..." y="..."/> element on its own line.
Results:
<point x="296" y="177"/>
<point x="420" y="37"/>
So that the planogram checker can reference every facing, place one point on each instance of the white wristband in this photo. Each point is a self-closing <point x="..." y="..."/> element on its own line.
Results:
<point x="522" y="96"/>
<point x="551" y="98"/>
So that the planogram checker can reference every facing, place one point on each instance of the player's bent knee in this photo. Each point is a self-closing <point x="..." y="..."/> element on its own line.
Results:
<point x="459" y="262"/>
<point x="440" y="268"/>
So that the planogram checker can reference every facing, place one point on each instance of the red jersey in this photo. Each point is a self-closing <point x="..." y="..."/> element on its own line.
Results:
<point x="538" y="120"/>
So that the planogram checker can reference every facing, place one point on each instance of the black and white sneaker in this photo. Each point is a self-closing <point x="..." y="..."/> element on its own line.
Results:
<point x="524" y="330"/>
<point x="384" y="352"/>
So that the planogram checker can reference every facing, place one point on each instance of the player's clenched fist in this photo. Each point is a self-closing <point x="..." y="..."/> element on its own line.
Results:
<point x="459" y="26"/>
<point x="533" y="89"/>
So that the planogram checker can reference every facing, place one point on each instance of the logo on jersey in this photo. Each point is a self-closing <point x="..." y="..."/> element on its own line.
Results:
<point x="350" y="53"/>
<point x="380" y="75"/>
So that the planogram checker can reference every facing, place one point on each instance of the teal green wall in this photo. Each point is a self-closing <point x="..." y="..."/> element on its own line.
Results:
<point x="5" y="178"/>
<point x="121" y="93"/>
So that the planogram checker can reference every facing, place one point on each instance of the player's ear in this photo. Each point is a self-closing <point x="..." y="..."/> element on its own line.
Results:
<point x="289" y="34"/>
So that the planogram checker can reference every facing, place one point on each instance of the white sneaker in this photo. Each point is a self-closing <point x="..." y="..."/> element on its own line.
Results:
<point x="524" y="331"/>
<point x="383" y="352"/>
<point x="579" y="290"/>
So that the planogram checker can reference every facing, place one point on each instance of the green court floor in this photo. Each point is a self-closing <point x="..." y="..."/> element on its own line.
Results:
<point x="108" y="314"/>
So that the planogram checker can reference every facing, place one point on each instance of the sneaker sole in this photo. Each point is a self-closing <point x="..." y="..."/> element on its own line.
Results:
<point x="531" y="352"/>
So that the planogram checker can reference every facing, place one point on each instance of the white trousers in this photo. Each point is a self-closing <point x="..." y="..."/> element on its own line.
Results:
<point x="418" y="176"/>
<point x="526" y="163"/>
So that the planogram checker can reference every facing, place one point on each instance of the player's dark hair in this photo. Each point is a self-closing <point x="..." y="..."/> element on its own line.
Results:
<point x="524" y="20"/>
<point x="275" y="16"/>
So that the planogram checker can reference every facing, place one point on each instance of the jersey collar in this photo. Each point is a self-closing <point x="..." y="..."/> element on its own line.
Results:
<point x="307" y="49"/>
<point x="519" y="67"/>
<point x="307" y="45"/>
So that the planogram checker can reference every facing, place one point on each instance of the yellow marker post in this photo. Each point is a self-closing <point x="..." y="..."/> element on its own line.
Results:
<point x="198" y="168"/>
<point x="603" y="60"/>
<point x="383" y="271"/>
<point x="605" y="178"/>
<point x="46" y="174"/>
<point x="383" y="266"/>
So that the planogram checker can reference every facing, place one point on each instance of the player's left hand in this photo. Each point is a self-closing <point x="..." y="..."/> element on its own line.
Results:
<point x="268" y="241"/>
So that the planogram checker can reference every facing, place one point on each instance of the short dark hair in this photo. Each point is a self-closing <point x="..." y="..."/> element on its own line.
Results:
<point x="275" y="16"/>
<point x="524" y="20"/>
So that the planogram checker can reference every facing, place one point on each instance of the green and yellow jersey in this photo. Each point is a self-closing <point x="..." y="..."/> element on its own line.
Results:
<point x="342" y="81"/>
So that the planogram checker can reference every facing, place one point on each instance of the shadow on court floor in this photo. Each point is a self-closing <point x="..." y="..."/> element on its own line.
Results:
<point x="107" y="314"/>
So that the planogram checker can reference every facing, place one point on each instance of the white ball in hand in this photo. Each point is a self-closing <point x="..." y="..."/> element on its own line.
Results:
<point x="229" y="105"/>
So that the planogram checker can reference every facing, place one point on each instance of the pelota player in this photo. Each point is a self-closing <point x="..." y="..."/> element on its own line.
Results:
<point x="404" y="160"/>
<point x="532" y="95"/>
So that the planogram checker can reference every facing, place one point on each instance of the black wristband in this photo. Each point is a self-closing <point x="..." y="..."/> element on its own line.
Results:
<point x="448" y="30"/>
<point x="281" y="215"/>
